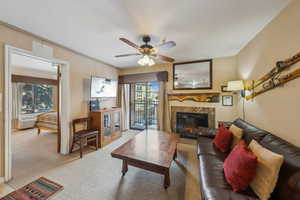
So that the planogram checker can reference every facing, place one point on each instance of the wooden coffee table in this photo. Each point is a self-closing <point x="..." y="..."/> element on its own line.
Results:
<point x="150" y="150"/>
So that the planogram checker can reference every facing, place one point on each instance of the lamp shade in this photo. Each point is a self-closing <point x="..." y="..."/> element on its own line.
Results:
<point x="235" y="85"/>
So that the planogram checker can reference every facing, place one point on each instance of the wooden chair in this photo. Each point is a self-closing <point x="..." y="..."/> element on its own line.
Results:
<point x="85" y="134"/>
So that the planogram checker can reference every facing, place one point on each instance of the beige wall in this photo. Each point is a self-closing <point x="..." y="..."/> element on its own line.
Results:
<point x="278" y="110"/>
<point x="224" y="69"/>
<point x="81" y="69"/>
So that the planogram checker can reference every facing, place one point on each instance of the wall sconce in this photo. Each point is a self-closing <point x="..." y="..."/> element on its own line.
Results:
<point x="237" y="86"/>
<point x="243" y="87"/>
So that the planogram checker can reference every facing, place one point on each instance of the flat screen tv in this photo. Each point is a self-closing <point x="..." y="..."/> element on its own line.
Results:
<point x="102" y="87"/>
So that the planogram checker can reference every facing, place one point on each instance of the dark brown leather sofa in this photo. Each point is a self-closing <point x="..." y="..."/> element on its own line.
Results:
<point x="212" y="180"/>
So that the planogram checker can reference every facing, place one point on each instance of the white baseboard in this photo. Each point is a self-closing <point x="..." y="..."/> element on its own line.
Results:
<point x="2" y="180"/>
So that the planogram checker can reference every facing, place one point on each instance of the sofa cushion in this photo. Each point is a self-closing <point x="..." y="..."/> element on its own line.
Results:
<point x="215" y="193"/>
<point x="212" y="173"/>
<point x="289" y="179"/>
<point x="240" y="167"/>
<point x="206" y="147"/>
<point x="250" y="132"/>
<point x="223" y="139"/>
<point x="213" y="183"/>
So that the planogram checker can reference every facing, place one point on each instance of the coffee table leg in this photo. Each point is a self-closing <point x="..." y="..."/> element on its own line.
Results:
<point x="125" y="167"/>
<point x="167" y="179"/>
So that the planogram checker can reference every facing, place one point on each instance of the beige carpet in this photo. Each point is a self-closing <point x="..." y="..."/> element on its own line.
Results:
<point x="34" y="154"/>
<point x="98" y="176"/>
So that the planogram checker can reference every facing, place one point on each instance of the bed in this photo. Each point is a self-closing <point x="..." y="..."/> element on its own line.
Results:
<point x="47" y="121"/>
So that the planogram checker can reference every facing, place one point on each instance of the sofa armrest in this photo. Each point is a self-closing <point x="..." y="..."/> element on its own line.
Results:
<point x="207" y="132"/>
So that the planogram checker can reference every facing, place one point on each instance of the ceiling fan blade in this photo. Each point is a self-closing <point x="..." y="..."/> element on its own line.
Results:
<point x="168" y="44"/>
<point x="130" y="54"/>
<point x="130" y="43"/>
<point x="165" y="58"/>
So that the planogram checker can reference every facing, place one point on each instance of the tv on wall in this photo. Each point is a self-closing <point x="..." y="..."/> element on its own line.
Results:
<point x="102" y="87"/>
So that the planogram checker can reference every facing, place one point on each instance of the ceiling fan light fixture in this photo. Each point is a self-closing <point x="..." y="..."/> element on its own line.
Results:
<point x="151" y="62"/>
<point x="148" y="51"/>
<point x="146" y="60"/>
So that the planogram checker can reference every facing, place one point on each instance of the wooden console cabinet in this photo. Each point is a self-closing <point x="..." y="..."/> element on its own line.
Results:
<point x="108" y="121"/>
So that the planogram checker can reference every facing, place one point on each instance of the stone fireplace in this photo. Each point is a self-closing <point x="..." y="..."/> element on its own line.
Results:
<point x="186" y="120"/>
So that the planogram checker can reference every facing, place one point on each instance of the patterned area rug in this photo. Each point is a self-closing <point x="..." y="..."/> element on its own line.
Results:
<point x="40" y="189"/>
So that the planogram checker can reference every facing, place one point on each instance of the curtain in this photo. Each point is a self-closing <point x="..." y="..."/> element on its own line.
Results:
<point x="163" y="112"/>
<point x="123" y="102"/>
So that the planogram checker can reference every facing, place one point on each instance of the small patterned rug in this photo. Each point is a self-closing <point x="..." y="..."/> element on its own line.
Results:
<point x="40" y="189"/>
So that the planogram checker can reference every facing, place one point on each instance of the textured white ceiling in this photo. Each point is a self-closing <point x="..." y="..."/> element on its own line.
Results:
<point x="201" y="28"/>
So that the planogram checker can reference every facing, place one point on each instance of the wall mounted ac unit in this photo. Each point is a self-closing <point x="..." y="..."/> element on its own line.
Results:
<point x="26" y="121"/>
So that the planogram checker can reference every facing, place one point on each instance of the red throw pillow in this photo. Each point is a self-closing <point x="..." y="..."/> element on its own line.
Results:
<point x="240" y="167"/>
<point x="223" y="139"/>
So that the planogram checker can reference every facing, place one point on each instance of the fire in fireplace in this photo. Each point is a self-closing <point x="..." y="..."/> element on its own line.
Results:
<point x="187" y="124"/>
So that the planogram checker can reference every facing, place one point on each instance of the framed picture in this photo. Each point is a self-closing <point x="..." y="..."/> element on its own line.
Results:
<point x="224" y="88"/>
<point x="227" y="100"/>
<point x="194" y="75"/>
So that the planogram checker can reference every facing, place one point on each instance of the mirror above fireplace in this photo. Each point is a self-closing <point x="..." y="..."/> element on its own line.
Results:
<point x="193" y="75"/>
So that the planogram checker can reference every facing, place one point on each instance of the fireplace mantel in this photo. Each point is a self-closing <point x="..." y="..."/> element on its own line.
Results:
<point x="208" y="110"/>
<point x="197" y="97"/>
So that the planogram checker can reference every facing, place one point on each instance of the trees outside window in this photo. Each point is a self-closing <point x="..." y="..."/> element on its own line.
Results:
<point x="35" y="98"/>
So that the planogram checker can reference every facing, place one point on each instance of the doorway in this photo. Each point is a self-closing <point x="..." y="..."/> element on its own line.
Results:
<point x="63" y="95"/>
<point x="144" y="101"/>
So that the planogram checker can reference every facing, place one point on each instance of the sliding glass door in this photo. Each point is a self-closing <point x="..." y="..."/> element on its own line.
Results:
<point x="143" y="105"/>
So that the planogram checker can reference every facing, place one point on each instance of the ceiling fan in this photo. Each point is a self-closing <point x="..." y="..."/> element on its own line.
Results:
<point x="147" y="51"/>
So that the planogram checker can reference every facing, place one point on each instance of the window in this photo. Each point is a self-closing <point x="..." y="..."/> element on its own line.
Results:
<point x="35" y="98"/>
